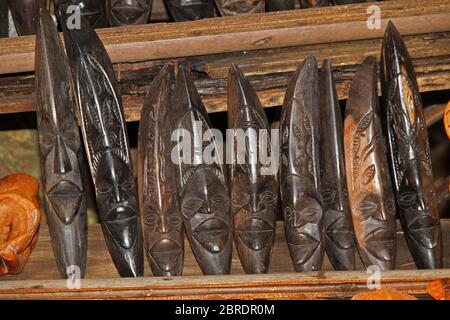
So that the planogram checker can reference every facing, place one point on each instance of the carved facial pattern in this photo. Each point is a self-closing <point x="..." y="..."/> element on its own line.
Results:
<point x="101" y="113"/>
<point x="303" y="216"/>
<point x="130" y="11"/>
<point x="237" y="7"/>
<point x="116" y="198"/>
<point x="374" y="208"/>
<point x="253" y="207"/>
<point x="205" y="209"/>
<point x="338" y="226"/>
<point x="413" y="165"/>
<point x="59" y="143"/>
<point x="165" y="241"/>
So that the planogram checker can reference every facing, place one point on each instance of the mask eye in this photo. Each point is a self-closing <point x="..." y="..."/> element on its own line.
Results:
<point x="241" y="199"/>
<point x="104" y="189"/>
<point x="407" y="198"/>
<point x="191" y="207"/>
<point x="288" y="213"/>
<point x="219" y="199"/>
<point x="174" y="220"/>
<point x="311" y="215"/>
<point x="268" y="197"/>
<point x="328" y="195"/>
<point x="127" y="186"/>
<point x="151" y="219"/>
<point x="365" y="209"/>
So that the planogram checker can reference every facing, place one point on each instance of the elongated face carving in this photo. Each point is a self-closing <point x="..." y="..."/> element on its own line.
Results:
<point x="238" y="7"/>
<point x="373" y="209"/>
<point x="165" y="241"/>
<point x="302" y="217"/>
<point x="413" y="172"/>
<point x="117" y="199"/>
<point x="186" y="10"/>
<point x="205" y="208"/>
<point x="130" y="11"/>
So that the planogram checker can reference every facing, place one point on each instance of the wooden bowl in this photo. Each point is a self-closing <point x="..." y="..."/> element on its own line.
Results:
<point x="19" y="221"/>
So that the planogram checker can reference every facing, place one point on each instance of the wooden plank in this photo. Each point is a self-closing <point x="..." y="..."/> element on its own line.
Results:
<point x="42" y="265"/>
<point x="251" y="32"/>
<point x="268" y="70"/>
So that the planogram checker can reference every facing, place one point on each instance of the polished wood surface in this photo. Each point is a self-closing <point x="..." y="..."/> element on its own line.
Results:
<point x="19" y="221"/>
<point x="60" y="150"/>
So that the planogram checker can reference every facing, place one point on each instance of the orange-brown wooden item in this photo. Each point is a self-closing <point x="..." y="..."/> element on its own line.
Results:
<point x="447" y="119"/>
<point x="384" y="294"/>
<point x="19" y="221"/>
<point x="439" y="289"/>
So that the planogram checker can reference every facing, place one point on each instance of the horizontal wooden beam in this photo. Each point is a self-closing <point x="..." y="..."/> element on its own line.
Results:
<point x="268" y="70"/>
<point x="251" y="32"/>
<point x="309" y="285"/>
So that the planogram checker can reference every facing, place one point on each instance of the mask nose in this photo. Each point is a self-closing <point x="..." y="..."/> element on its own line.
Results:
<point x="254" y="204"/>
<point x="164" y="226"/>
<point x="421" y="204"/>
<point x="297" y="220"/>
<point x="61" y="160"/>
<point x="117" y="195"/>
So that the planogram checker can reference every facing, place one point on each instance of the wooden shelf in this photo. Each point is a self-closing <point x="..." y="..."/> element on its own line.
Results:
<point x="102" y="281"/>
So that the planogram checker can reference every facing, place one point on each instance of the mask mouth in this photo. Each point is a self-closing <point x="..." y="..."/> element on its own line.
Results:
<point x="381" y="244"/>
<point x="128" y="13"/>
<point x="65" y="198"/>
<point x="212" y="234"/>
<point x="426" y="231"/>
<point x="119" y="213"/>
<point x="256" y="233"/>
<point x="166" y="254"/>
<point x="302" y="247"/>
<point x="123" y="231"/>
<point x="340" y="234"/>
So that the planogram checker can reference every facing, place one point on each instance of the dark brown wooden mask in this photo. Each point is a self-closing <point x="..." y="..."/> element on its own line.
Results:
<point x="299" y="172"/>
<point x="204" y="198"/>
<point x="106" y="144"/>
<point x="125" y="12"/>
<point x="339" y="234"/>
<point x="60" y="150"/>
<point x="368" y="182"/>
<point x="254" y="187"/>
<point x="409" y="153"/>
<point x="25" y="13"/>
<point x="238" y="7"/>
<point x="160" y="209"/>
<point x="182" y="10"/>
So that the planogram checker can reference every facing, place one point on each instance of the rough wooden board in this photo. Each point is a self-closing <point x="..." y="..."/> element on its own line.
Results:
<point x="268" y="70"/>
<point x="42" y="264"/>
<point x="250" y="32"/>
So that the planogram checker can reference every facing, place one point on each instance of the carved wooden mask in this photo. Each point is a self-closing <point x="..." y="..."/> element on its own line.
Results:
<point x="299" y="174"/>
<point x="60" y="150"/>
<point x="254" y="194"/>
<point x="339" y="234"/>
<point x="106" y="143"/>
<point x="204" y="198"/>
<point x="368" y="181"/>
<point x="160" y="210"/>
<point x="410" y="153"/>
